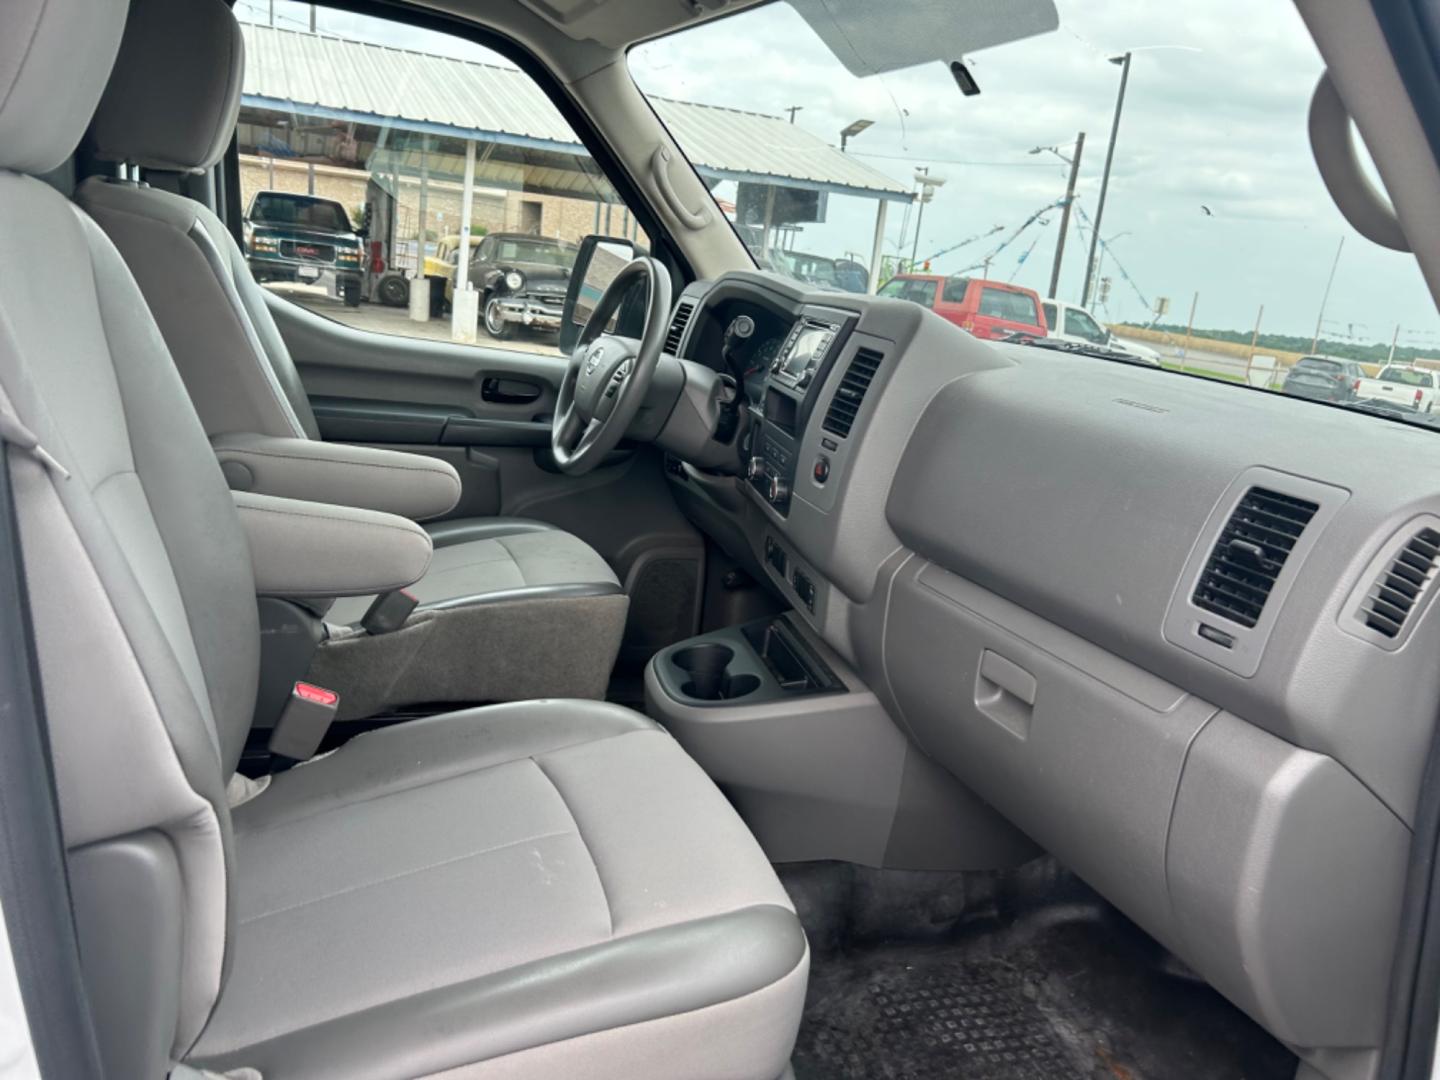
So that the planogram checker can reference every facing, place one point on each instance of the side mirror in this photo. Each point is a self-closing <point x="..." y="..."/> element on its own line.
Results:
<point x="597" y="262"/>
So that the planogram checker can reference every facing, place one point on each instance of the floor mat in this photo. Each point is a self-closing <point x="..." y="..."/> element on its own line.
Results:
<point x="1067" y="999"/>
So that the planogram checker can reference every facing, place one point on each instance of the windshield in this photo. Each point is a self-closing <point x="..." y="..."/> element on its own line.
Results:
<point x="920" y="292"/>
<point x="299" y="211"/>
<point x="534" y="251"/>
<point x="1203" y="238"/>
<point x="1407" y="376"/>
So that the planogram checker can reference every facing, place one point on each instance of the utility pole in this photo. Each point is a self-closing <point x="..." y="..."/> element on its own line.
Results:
<point x="312" y="18"/>
<point x="1250" y="360"/>
<point x="1124" y="62"/>
<point x="1391" y="358"/>
<point x="792" y="110"/>
<point x="1324" y="300"/>
<point x="1065" y="215"/>
<point x="1189" y="329"/>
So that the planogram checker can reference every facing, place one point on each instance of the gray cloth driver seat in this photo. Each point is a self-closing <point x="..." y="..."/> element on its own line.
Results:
<point x="546" y="889"/>
<point x="510" y="608"/>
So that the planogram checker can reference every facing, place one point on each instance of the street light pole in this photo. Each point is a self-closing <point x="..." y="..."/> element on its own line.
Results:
<point x="920" y="173"/>
<point x="1124" y="63"/>
<point x="1065" y="214"/>
<point x="928" y="184"/>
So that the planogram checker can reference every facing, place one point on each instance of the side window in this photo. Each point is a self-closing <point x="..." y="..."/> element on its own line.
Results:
<point x="362" y="217"/>
<point x="955" y="290"/>
<point x="1082" y="325"/>
<point x="1007" y="304"/>
<point x="1049" y="310"/>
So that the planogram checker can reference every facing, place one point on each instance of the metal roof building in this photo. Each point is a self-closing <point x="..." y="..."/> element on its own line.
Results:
<point x="290" y="70"/>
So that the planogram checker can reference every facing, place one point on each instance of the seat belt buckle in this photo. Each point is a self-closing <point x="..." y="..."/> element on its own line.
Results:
<point x="304" y="721"/>
<point x="388" y="612"/>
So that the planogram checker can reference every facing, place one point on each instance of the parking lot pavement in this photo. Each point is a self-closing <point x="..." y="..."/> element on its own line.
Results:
<point x="388" y="320"/>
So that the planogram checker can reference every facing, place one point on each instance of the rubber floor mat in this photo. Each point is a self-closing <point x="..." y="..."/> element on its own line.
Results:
<point x="1067" y="1001"/>
<point x="919" y="1019"/>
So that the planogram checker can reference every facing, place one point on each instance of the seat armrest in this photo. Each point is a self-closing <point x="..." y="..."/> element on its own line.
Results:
<point x="305" y="550"/>
<point x="411" y="485"/>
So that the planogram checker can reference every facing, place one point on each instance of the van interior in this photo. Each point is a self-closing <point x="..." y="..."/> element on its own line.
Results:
<point x="482" y="601"/>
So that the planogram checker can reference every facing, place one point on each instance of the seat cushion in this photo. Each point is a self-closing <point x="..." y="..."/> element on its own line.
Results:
<point x="504" y="891"/>
<point x="488" y="560"/>
<point x="510" y="610"/>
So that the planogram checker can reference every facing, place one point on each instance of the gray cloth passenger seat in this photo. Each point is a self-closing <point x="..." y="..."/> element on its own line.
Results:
<point x="510" y="609"/>
<point x="547" y="889"/>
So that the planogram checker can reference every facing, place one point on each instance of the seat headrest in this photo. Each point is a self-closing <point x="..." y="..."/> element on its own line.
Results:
<point x="175" y="91"/>
<point x="55" y="56"/>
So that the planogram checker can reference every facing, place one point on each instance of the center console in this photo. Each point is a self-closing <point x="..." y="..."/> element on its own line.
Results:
<point x="790" y="391"/>
<point x="810" y="758"/>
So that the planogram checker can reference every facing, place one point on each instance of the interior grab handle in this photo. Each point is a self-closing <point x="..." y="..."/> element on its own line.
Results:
<point x="694" y="220"/>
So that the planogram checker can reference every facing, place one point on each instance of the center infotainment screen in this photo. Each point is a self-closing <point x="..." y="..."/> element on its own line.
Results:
<point x="806" y="351"/>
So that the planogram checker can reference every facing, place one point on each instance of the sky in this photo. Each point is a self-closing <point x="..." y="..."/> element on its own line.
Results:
<point x="1214" y="120"/>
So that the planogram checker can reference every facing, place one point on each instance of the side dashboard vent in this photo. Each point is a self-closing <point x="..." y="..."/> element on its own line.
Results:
<point x="678" y="325"/>
<point x="845" y="405"/>
<point x="1250" y="552"/>
<point x="1401" y="584"/>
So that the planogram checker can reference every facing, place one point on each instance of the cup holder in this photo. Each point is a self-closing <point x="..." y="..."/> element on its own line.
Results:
<point x="709" y="678"/>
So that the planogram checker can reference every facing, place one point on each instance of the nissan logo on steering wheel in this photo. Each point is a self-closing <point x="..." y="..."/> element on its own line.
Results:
<point x="596" y="355"/>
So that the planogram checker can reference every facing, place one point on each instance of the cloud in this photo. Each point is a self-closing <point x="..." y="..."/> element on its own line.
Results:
<point x="1223" y="127"/>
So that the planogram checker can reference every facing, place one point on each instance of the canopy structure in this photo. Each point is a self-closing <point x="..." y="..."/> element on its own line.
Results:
<point x="409" y="114"/>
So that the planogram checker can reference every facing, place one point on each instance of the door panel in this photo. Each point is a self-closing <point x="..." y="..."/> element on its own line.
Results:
<point x="459" y="403"/>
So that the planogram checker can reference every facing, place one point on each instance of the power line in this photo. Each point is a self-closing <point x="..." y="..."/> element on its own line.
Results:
<point x="1113" y="258"/>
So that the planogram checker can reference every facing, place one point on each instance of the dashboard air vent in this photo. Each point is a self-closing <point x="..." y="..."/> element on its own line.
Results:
<point x="845" y="405"/>
<point x="677" y="326"/>
<point x="1250" y="553"/>
<point x="1401" y="584"/>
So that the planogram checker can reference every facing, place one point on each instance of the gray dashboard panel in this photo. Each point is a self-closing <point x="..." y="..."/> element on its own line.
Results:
<point x="1079" y="489"/>
<point x="997" y="555"/>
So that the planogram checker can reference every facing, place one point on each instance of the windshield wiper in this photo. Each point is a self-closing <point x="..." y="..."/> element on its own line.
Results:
<point x="1388" y="411"/>
<point x="1078" y="348"/>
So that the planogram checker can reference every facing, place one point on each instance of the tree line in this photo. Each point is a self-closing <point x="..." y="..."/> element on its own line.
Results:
<point x="1377" y="353"/>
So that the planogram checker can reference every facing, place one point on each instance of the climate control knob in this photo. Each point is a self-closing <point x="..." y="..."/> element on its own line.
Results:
<point x="778" y="491"/>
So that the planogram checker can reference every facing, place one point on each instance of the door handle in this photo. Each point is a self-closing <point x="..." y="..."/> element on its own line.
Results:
<point x="502" y="391"/>
<point x="1005" y="692"/>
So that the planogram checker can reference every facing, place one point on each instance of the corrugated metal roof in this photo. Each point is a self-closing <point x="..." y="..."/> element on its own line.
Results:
<point x="411" y="89"/>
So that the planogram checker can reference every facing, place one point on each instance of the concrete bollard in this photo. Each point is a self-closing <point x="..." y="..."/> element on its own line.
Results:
<point x="464" y="316"/>
<point x="420" y="299"/>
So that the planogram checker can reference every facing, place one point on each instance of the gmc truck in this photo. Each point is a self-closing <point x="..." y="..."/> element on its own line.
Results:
<point x="307" y="240"/>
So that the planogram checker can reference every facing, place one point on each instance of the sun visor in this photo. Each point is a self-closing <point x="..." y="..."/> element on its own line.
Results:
<point x="872" y="38"/>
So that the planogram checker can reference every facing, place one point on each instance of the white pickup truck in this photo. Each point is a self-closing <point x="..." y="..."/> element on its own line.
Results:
<point x="1407" y="388"/>
<point x="1071" y="322"/>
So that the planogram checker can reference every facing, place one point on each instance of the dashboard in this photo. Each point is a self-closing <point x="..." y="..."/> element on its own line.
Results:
<point x="1011" y="547"/>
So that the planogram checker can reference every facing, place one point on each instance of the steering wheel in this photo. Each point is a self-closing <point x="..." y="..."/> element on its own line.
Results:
<point x="608" y="375"/>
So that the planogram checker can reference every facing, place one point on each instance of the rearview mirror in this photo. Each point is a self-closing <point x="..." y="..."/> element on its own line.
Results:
<point x="599" y="259"/>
